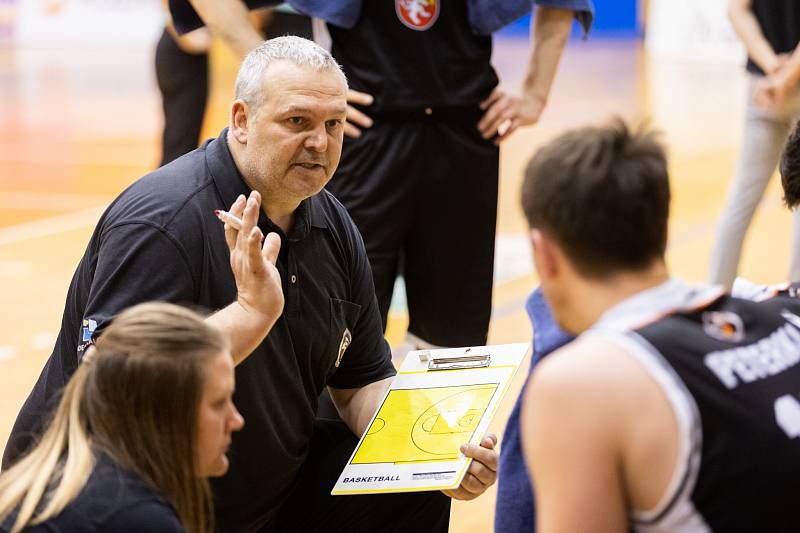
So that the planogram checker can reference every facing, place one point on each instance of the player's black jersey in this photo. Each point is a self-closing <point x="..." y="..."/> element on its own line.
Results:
<point x="411" y="54"/>
<point x="731" y="370"/>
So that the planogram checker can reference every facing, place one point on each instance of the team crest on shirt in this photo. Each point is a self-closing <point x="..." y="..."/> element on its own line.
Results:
<point x="723" y="325"/>
<point x="417" y="14"/>
<point x="347" y="338"/>
<point x="87" y="329"/>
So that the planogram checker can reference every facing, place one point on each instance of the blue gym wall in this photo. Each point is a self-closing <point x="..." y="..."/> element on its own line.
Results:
<point x="613" y="18"/>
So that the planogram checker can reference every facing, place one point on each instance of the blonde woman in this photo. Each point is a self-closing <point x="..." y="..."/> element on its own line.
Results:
<point x="142" y="423"/>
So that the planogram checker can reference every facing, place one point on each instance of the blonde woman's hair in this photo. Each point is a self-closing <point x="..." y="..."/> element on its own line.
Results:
<point x="136" y="400"/>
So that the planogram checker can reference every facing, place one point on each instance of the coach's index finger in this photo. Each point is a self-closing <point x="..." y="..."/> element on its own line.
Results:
<point x="249" y="219"/>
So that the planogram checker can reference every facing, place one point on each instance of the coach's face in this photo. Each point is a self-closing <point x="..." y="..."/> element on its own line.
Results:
<point x="293" y="138"/>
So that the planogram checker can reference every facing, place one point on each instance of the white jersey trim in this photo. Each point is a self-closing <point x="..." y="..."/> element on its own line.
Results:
<point x="675" y="511"/>
<point x="648" y="306"/>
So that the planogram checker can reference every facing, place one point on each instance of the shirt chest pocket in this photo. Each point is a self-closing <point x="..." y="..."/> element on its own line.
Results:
<point x="344" y="316"/>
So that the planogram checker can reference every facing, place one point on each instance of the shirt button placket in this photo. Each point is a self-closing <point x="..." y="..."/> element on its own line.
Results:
<point x="293" y="298"/>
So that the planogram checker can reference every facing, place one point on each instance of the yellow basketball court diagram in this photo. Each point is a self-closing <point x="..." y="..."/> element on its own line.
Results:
<point x="415" y="425"/>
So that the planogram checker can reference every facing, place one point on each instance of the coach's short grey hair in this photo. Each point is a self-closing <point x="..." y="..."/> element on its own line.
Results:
<point x="296" y="50"/>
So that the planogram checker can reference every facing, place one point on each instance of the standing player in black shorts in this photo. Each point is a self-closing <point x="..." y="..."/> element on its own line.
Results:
<point x="419" y="177"/>
<point x="181" y="67"/>
<point x="677" y="408"/>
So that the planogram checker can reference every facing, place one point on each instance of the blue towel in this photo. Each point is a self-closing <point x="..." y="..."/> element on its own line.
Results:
<point x="485" y="16"/>
<point x="514" y="511"/>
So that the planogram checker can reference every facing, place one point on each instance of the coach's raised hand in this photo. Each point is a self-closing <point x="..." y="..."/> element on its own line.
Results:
<point x="259" y="300"/>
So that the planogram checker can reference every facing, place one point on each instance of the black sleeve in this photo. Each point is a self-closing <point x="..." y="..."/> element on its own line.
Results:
<point x="137" y="262"/>
<point x="150" y="516"/>
<point x="368" y="358"/>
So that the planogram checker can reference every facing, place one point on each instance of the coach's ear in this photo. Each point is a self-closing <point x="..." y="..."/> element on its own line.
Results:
<point x="545" y="256"/>
<point x="239" y="121"/>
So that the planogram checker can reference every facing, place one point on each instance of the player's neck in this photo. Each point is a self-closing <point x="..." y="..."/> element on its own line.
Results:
<point x="594" y="297"/>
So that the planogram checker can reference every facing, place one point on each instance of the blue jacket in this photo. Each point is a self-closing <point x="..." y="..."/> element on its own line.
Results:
<point x="514" y="510"/>
<point x="485" y="16"/>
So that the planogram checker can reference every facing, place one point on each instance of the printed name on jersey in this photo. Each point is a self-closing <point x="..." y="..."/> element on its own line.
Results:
<point x="417" y="14"/>
<point x="767" y="357"/>
<point x="723" y="325"/>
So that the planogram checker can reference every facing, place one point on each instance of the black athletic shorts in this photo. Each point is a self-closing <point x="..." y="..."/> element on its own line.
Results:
<point x="422" y="188"/>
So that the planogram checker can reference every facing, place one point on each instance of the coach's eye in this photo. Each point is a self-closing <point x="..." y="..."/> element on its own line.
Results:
<point x="296" y="121"/>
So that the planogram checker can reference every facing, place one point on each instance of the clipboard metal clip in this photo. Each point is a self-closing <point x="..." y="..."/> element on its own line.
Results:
<point x="460" y="362"/>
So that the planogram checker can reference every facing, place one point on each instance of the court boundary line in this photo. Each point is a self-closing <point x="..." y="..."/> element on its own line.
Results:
<point x="47" y="227"/>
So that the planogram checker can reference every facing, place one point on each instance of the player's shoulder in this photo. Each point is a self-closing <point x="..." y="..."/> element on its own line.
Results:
<point x="589" y="390"/>
<point x="584" y="370"/>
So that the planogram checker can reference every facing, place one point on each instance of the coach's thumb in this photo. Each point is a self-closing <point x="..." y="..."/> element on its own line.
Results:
<point x="271" y="248"/>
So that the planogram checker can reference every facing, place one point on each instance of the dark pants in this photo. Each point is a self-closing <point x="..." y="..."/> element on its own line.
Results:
<point x="310" y="506"/>
<point x="183" y="82"/>
<point x="422" y="189"/>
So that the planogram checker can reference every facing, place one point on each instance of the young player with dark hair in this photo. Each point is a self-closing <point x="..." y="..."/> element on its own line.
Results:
<point x="677" y="408"/>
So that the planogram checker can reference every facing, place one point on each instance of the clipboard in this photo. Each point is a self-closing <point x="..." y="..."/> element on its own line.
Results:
<point x="439" y="400"/>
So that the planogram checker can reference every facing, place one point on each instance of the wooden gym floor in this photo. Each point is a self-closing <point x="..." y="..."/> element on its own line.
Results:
<point x="78" y="126"/>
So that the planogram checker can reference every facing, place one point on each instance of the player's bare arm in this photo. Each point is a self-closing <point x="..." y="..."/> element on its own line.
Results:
<point x="593" y="419"/>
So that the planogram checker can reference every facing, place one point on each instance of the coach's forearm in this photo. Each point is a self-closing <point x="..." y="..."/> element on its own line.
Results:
<point x="244" y="329"/>
<point x="356" y="406"/>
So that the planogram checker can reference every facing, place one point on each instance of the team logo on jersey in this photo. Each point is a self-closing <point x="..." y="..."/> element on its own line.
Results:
<point x="723" y="325"/>
<point x="417" y="14"/>
<point x="347" y="338"/>
<point x="87" y="329"/>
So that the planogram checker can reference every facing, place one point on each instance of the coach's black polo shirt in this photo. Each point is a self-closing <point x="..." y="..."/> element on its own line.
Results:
<point x="160" y="240"/>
